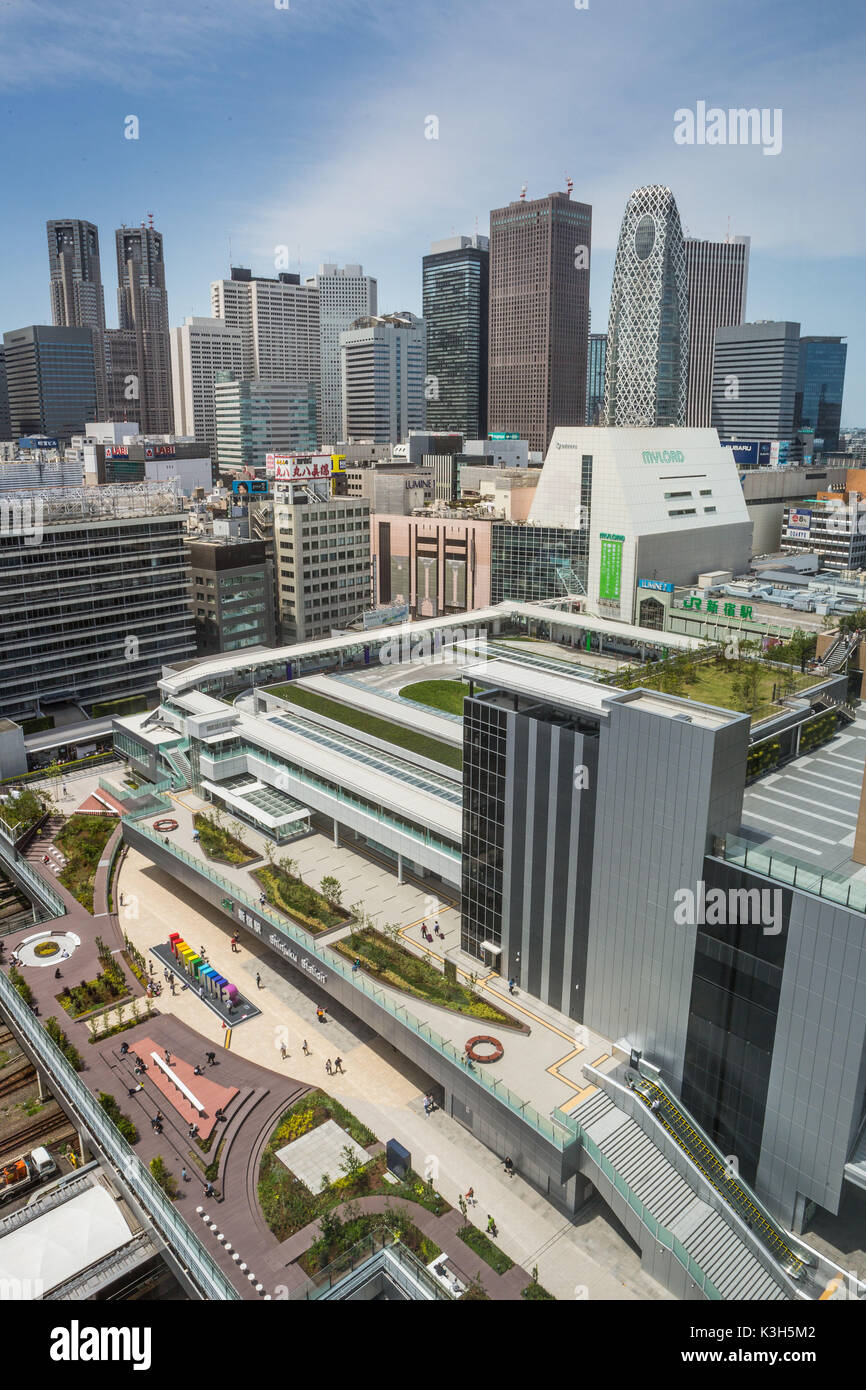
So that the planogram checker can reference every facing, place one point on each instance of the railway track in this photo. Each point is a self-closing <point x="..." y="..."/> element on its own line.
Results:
<point x="40" y="1127"/>
<point x="16" y="1075"/>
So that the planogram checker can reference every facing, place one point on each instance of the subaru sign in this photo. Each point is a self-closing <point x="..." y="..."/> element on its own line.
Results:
<point x="749" y="453"/>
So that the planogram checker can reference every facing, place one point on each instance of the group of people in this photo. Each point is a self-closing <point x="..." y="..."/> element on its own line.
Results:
<point x="336" y="1066"/>
<point x="437" y="931"/>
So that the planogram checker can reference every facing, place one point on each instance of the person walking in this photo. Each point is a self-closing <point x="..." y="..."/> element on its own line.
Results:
<point x="511" y="986"/>
<point x="184" y="1175"/>
<point x="208" y="1189"/>
<point x="167" y="1058"/>
<point x="470" y="1197"/>
<point x="320" y="1014"/>
<point x="491" y="1226"/>
<point x="328" y="1067"/>
<point x="211" y="1058"/>
<point x="304" y="1048"/>
<point x="235" y="947"/>
<point x="283" y="1052"/>
<point x="338" y="1065"/>
<point x="258" y="980"/>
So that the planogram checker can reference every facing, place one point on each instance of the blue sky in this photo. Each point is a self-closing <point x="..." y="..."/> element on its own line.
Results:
<point x="305" y="127"/>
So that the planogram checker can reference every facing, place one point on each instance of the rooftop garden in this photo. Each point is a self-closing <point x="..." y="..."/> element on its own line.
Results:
<point x="443" y="695"/>
<point x="23" y="809"/>
<point x="288" y="1205"/>
<point x="383" y="955"/>
<point x="284" y="889"/>
<point x="483" y="1246"/>
<point x="82" y="839"/>
<point x="747" y="681"/>
<point x="340" y="1234"/>
<point x="410" y="740"/>
<point x="220" y="842"/>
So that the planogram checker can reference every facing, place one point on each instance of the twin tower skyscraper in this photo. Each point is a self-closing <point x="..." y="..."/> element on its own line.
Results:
<point x="132" y="362"/>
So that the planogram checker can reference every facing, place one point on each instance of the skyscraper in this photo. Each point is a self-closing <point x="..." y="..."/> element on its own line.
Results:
<point x="5" y="421"/>
<point x="77" y="299"/>
<point x="142" y="307"/>
<point x="755" y="380"/>
<point x="383" y="370"/>
<point x="820" y="383"/>
<point x="648" y="330"/>
<point x="595" y="378"/>
<point x="456" y="285"/>
<point x="717" y="273"/>
<point x="200" y="348"/>
<point x="278" y="320"/>
<point x="539" y="316"/>
<point x="257" y="418"/>
<point x="345" y="294"/>
<point x="51" y="380"/>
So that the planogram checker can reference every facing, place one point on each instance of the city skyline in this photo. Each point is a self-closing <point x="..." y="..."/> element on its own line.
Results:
<point x="398" y="189"/>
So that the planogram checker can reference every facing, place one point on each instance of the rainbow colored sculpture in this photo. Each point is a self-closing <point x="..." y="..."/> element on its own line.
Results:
<point x="210" y="980"/>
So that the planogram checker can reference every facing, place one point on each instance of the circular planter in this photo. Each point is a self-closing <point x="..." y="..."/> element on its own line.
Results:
<point x="164" y="825"/>
<point x="493" y="1049"/>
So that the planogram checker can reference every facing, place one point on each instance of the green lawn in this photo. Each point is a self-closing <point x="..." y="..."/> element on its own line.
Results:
<point x="714" y="683"/>
<point x="82" y="839"/>
<point x="391" y="962"/>
<point x="444" y="695"/>
<point x="407" y="739"/>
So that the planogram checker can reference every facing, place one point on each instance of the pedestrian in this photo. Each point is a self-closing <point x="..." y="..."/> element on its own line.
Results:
<point x="427" y="1105"/>
<point x="197" y="1070"/>
<point x="356" y="964"/>
<point x="304" y="1048"/>
<point x="183" y="1174"/>
<point x="208" y="1189"/>
<point x="470" y="1197"/>
<point x="491" y="1226"/>
<point x="328" y="1067"/>
<point x="338" y="1065"/>
<point x="656" y="1106"/>
<point x="211" y="1058"/>
<point x="218" y="1115"/>
<point x="320" y="1014"/>
<point x="235" y="945"/>
<point x="193" y="1131"/>
<point x="511" y="986"/>
<point x="283" y="1052"/>
<point x="258" y="980"/>
<point x="167" y="1057"/>
<point x="509" y="1167"/>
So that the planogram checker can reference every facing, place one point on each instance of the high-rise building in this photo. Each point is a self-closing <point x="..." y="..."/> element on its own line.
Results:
<point x="77" y="299"/>
<point x="5" y="420"/>
<point x="257" y="418"/>
<point x="755" y="380"/>
<point x="539" y="316"/>
<point x="383" y="371"/>
<point x="232" y="594"/>
<point x="595" y="364"/>
<point x="114" y="562"/>
<point x="456" y="286"/>
<point x="345" y="294"/>
<point x="820" y="384"/>
<point x="648" y="330"/>
<point x="51" y="380"/>
<point x="123" y="375"/>
<point x="322" y="559"/>
<point x="142" y="306"/>
<point x="200" y="349"/>
<point x="278" y="321"/>
<point x="717" y="274"/>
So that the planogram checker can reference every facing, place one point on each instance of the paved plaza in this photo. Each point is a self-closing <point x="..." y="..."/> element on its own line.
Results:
<point x="320" y="1154"/>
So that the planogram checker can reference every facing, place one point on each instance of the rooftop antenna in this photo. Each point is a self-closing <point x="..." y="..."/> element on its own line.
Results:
<point x="569" y="185"/>
<point x="729" y="227"/>
<point x="523" y="193"/>
<point x="150" y="220"/>
<point x="230" y="252"/>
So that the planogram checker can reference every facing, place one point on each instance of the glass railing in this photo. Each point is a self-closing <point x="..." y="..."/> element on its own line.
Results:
<point x="203" y="1271"/>
<point x="345" y="798"/>
<point x="359" y="981"/>
<point x="835" y="888"/>
<point x="655" y="1227"/>
<point x="362" y="1254"/>
<point x="40" y="889"/>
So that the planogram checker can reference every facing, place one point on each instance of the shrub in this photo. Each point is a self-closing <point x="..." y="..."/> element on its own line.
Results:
<point x="17" y="980"/>
<point x="117" y="1117"/>
<point x="163" y="1177"/>
<point x="70" y="1052"/>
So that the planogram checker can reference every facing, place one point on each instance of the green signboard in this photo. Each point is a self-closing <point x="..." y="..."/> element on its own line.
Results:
<point x="610" y="567"/>
<point x="504" y="434"/>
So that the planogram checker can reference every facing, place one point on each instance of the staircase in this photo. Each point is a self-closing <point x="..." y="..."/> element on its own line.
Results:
<point x="835" y="656"/>
<point x="178" y="765"/>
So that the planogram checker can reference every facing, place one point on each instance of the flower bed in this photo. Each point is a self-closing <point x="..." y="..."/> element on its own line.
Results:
<point x="298" y="900"/>
<point x="483" y="1246"/>
<point x="393" y="964"/>
<point x="219" y="844"/>
<point x="338" y="1236"/>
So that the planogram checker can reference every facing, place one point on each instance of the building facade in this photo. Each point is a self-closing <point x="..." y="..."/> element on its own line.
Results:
<point x="435" y="565"/>
<point x="820" y="386"/>
<point x="595" y="370"/>
<point x="322" y="561"/>
<point x="5" y="418"/>
<point x="232" y="595"/>
<point x="112" y="562"/>
<point x="200" y="350"/>
<point x="718" y="276"/>
<point x="532" y="563"/>
<point x="50" y="380"/>
<point x="647" y="366"/>
<point x="383" y="369"/>
<point x="345" y="294"/>
<point x="77" y="298"/>
<point x="755" y="380"/>
<point x="257" y="418"/>
<point x="539" y="316"/>
<point x="142" y="308"/>
<point x="456" y="306"/>
<point x="279" y="323"/>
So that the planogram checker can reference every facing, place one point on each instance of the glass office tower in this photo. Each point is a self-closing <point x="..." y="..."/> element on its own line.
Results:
<point x="820" y="383"/>
<point x="456" y="279"/>
<point x="595" y="364"/>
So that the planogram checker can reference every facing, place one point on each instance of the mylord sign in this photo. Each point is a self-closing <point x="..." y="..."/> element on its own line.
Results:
<point x="663" y="456"/>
